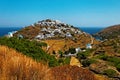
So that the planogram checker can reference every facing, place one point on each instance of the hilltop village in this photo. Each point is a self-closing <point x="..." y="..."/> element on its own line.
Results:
<point x="57" y="31"/>
<point x="56" y="28"/>
<point x="47" y="29"/>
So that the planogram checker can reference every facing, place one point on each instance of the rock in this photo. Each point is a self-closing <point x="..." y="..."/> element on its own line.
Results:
<point x="75" y="62"/>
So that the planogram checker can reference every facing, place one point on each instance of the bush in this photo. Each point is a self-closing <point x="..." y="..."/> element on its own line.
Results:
<point x="109" y="72"/>
<point x="52" y="61"/>
<point x="87" y="62"/>
<point x="118" y="67"/>
<point x="114" y="60"/>
<point x="72" y="50"/>
<point x="60" y="53"/>
<point x="103" y="56"/>
<point x="30" y="48"/>
<point x="84" y="55"/>
<point x="67" y="60"/>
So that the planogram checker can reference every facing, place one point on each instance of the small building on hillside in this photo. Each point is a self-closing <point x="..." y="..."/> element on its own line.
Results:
<point x="88" y="46"/>
<point x="69" y="55"/>
<point x="68" y="34"/>
<point x="40" y="36"/>
<point x="10" y="34"/>
<point x="78" y="50"/>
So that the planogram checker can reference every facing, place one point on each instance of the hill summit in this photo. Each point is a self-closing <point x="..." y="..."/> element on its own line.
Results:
<point x="57" y="35"/>
<point x="49" y="29"/>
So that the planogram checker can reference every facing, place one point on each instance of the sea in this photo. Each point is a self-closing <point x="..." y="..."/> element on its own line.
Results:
<point x="4" y="30"/>
<point x="91" y="30"/>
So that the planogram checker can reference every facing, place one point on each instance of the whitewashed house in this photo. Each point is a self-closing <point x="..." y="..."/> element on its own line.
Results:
<point x="48" y="35"/>
<point x="43" y="29"/>
<point x="78" y="50"/>
<point x="40" y="36"/>
<point x="68" y="34"/>
<point x="10" y="34"/>
<point x="88" y="46"/>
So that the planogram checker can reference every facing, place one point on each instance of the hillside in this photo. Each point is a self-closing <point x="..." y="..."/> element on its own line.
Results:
<point x="59" y="36"/>
<point x="55" y="43"/>
<point x="14" y="65"/>
<point x="72" y="73"/>
<point x="109" y="32"/>
<point x="48" y="29"/>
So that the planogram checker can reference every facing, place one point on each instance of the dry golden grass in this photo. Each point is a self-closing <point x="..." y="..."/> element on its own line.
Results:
<point x="55" y="45"/>
<point x="15" y="66"/>
<point x="68" y="72"/>
<point x="100" y="77"/>
<point x="65" y="44"/>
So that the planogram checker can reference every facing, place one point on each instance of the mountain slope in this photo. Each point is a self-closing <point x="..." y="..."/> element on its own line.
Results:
<point x="72" y="73"/>
<point x="110" y="32"/>
<point x="14" y="66"/>
<point x="58" y="35"/>
<point x="48" y="29"/>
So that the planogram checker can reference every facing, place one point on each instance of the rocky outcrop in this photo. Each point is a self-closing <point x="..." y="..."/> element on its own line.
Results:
<point x="75" y="62"/>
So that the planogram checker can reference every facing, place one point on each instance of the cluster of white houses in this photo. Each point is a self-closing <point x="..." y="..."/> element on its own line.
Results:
<point x="49" y="22"/>
<point x="53" y="28"/>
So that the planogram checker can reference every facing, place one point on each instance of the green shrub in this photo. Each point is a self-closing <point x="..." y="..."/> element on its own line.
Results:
<point x="72" y="50"/>
<point x="118" y="67"/>
<point x="103" y="56"/>
<point x="60" y="53"/>
<point x="84" y="55"/>
<point x="30" y="48"/>
<point x="52" y="61"/>
<point x="87" y="62"/>
<point x="114" y="60"/>
<point x="67" y="60"/>
<point x="109" y="72"/>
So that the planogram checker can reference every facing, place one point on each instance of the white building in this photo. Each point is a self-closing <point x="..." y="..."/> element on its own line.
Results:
<point x="68" y="34"/>
<point x="78" y="50"/>
<point x="10" y="34"/>
<point x="89" y="46"/>
<point x="40" y="36"/>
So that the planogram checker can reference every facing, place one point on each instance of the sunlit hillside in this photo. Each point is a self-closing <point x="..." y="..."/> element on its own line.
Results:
<point x="15" y="66"/>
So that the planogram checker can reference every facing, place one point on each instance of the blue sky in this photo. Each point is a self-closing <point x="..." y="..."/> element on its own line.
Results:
<point x="88" y="13"/>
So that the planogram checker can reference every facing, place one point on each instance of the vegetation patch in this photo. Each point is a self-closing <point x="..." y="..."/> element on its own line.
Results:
<point x="30" y="48"/>
<point x="110" y="72"/>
